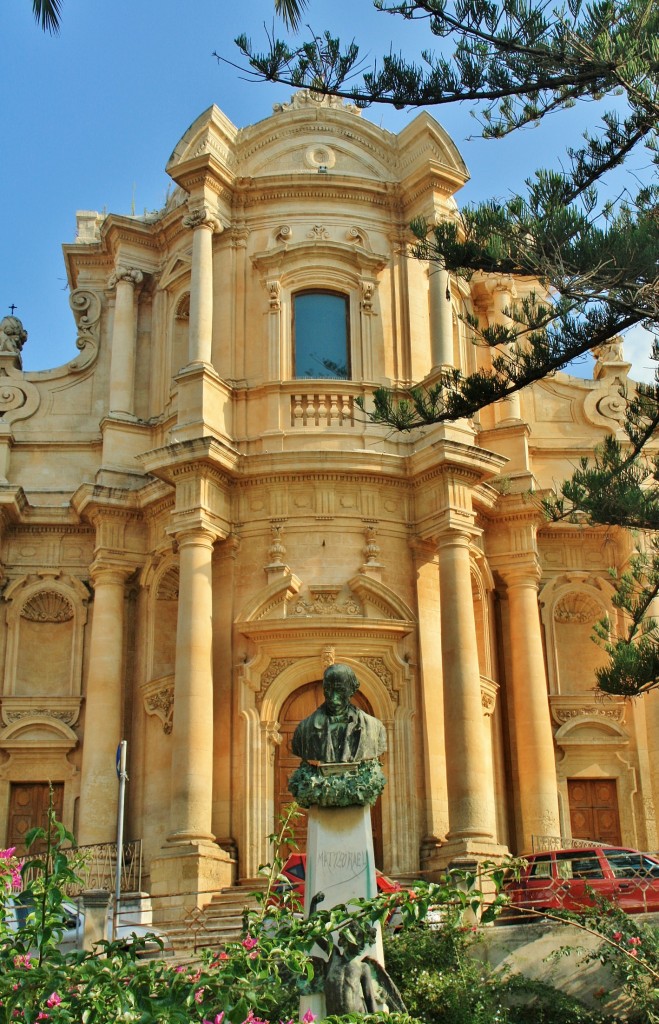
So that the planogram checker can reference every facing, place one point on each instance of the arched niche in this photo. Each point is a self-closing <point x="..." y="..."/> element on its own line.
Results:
<point x="46" y="616"/>
<point x="570" y="606"/>
<point x="596" y="745"/>
<point x="288" y="652"/>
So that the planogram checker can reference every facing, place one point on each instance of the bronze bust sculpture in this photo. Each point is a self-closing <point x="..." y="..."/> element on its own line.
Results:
<point x="338" y="734"/>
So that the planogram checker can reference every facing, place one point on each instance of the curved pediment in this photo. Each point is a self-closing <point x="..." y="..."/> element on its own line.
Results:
<point x="361" y="597"/>
<point x="38" y="731"/>
<point x="591" y="729"/>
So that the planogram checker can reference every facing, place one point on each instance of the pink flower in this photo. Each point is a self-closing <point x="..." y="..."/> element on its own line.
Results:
<point x="309" y="1017"/>
<point x="633" y="952"/>
<point x="249" y="942"/>
<point x="53" y="1000"/>
<point x="43" y="1016"/>
<point x="617" y="936"/>
<point x="6" y="854"/>
<point x="635" y="942"/>
<point x="199" y="994"/>
<point x="219" y="1017"/>
<point x="254" y="955"/>
<point x="23" y="960"/>
<point x="179" y="969"/>
<point x="222" y="956"/>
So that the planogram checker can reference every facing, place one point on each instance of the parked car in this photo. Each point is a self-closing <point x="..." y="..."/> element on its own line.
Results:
<point x="127" y="931"/>
<point x="570" y="879"/>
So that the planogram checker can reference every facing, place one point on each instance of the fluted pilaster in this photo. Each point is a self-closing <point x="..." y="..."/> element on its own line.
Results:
<point x="203" y="226"/>
<point x="441" y="318"/>
<point x="468" y="758"/>
<point x="192" y="731"/>
<point x="122" y="363"/>
<point x="534" y="744"/>
<point x="103" y="706"/>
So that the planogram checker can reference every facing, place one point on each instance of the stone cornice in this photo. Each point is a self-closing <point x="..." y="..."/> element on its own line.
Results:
<point x="168" y="462"/>
<point x="93" y="499"/>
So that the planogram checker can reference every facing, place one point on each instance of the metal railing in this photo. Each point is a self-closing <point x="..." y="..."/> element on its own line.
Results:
<point x="541" y="844"/>
<point x="96" y="867"/>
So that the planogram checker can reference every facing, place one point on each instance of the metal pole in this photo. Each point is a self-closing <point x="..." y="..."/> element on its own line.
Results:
<point x="123" y="778"/>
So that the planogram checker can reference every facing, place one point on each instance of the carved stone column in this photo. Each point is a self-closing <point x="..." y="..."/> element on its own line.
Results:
<point x="201" y="284"/>
<point x="536" y="764"/>
<point x="122" y="364"/>
<point x="192" y="730"/>
<point x="468" y="761"/>
<point x="441" y="318"/>
<point x="103" y="706"/>
<point x="432" y="697"/>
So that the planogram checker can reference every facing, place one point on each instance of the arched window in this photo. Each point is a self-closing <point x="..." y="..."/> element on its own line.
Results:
<point x="321" y="336"/>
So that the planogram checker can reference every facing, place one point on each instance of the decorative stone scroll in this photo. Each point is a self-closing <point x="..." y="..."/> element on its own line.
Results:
<point x="19" y="398"/>
<point x="202" y="217"/>
<point x="274" y="669"/>
<point x="86" y="306"/>
<point x="123" y="273"/>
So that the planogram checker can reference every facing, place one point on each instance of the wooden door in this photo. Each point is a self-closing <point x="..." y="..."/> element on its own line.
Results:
<point x="302" y="703"/>
<point x="594" y="810"/>
<point x="28" y="808"/>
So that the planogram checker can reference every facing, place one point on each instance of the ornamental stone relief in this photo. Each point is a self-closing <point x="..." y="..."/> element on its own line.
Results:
<point x="577" y="608"/>
<point x="274" y="669"/>
<point x="159" y="701"/>
<point x="47" y="606"/>
<point x="326" y="603"/>
<point x="562" y="715"/>
<point x="378" y="666"/>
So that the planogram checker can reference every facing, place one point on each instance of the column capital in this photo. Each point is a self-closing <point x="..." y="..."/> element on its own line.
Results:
<point x="106" y="572"/>
<point x="122" y="272"/>
<point x="198" y="536"/>
<point x="526" y="573"/>
<point x="455" y="536"/>
<point x="203" y="218"/>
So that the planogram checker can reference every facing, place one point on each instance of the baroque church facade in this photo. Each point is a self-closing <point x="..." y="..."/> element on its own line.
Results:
<point x="196" y="519"/>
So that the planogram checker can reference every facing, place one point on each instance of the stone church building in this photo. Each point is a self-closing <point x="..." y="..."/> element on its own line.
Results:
<point x="196" y="518"/>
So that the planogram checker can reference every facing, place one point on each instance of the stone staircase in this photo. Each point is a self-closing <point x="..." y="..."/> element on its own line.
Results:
<point x="215" y="924"/>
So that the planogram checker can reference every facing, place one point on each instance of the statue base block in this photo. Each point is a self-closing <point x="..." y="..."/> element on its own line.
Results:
<point x="341" y="866"/>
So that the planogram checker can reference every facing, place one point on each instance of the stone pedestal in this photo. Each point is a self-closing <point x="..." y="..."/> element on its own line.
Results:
<point x="187" y="877"/>
<point x="340" y="864"/>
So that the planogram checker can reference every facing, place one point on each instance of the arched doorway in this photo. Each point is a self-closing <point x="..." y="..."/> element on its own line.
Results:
<point x="302" y="703"/>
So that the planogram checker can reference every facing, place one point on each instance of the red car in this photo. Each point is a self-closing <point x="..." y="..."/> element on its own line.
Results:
<point x="568" y="880"/>
<point x="295" y="869"/>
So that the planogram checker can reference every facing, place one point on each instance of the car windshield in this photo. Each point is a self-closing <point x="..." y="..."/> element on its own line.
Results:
<point x="629" y="864"/>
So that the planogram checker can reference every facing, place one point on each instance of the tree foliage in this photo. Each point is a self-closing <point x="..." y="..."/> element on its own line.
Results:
<point x="48" y="14"/>
<point x="595" y="262"/>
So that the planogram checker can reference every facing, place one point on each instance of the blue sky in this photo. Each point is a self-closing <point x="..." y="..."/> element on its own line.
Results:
<point x="89" y="118"/>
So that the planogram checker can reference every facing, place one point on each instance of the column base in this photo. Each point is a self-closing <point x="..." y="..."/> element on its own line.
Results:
<point x="186" y="877"/>
<point x="462" y="854"/>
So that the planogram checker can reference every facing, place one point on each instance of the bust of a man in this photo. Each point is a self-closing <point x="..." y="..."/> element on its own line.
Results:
<point x="338" y="732"/>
